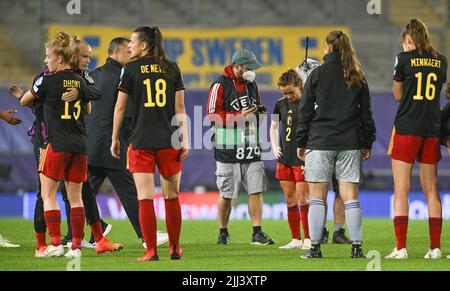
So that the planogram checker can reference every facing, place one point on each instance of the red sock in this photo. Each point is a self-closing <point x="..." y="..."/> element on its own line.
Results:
<point x="401" y="231"/>
<point x="147" y="220"/>
<point x="293" y="215"/>
<point x="41" y="240"/>
<point x="53" y="222"/>
<point x="97" y="231"/>
<point x="304" y="209"/>
<point x="173" y="220"/>
<point x="77" y="220"/>
<point x="435" y="228"/>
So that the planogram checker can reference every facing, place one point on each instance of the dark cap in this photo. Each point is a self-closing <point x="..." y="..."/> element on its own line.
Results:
<point x="246" y="57"/>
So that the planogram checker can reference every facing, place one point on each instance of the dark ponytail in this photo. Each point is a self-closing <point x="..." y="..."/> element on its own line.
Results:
<point x="152" y="36"/>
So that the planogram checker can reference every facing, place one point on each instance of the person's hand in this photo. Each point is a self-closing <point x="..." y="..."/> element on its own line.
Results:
<point x="248" y="111"/>
<point x="365" y="154"/>
<point x="115" y="149"/>
<point x="16" y="91"/>
<point x="277" y="152"/>
<point x="448" y="146"/>
<point x="184" y="153"/>
<point x="301" y="153"/>
<point x="70" y="95"/>
<point x="7" y="115"/>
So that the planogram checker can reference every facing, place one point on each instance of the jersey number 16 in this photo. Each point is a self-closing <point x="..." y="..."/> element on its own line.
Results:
<point x="430" y="89"/>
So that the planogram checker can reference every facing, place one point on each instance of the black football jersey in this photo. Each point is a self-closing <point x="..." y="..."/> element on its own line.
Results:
<point x="64" y="121"/>
<point x="287" y="114"/>
<point x="423" y="77"/>
<point x="152" y="92"/>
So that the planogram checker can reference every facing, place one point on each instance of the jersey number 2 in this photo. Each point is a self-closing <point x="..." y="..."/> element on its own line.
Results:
<point x="160" y="86"/>
<point x="430" y="89"/>
<point x="288" y="134"/>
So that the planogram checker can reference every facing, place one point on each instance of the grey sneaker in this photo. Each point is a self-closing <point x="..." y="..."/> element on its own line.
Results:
<point x="262" y="239"/>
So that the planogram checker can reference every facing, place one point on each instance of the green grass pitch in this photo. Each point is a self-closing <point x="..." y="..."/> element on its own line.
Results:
<point x="202" y="253"/>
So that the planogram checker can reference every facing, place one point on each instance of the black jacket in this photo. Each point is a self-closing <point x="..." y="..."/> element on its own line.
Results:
<point x="93" y="91"/>
<point x="445" y="124"/>
<point x="331" y="115"/>
<point x="100" y="122"/>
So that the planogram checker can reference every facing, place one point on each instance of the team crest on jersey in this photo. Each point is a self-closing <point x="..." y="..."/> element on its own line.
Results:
<point x="289" y="120"/>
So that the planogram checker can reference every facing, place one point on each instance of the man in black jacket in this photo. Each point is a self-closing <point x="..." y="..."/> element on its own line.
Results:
<point x="99" y="124"/>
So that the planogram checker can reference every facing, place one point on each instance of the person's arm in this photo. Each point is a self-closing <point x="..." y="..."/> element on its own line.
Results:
<point x="119" y="111"/>
<point x="93" y="92"/>
<point x="306" y="113"/>
<point x="448" y="146"/>
<point x="180" y="110"/>
<point x="398" y="90"/>
<point x="215" y="110"/>
<point x="27" y="98"/>
<point x="20" y="94"/>
<point x="367" y="122"/>
<point x="399" y="77"/>
<point x="37" y="91"/>
<point x="274" y="134"/>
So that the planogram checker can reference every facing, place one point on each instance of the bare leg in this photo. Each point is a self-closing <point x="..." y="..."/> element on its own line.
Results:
<point x="402" y="175"/>
<point x="224" y="208"/>
<point x="255" y="207"/>
<point x="49" y="187"/>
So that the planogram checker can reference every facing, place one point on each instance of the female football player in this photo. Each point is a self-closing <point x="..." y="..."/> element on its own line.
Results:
<point x="335" y="133"/>
<point x="290" y="170"/>
<point x="156" y="89"/>
<point x="420" y="72"/>
<point x="64" y="154"/>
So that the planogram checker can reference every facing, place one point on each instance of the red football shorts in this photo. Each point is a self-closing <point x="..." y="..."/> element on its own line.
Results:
<point x="61" y="166"/>
<point x="290" y="174"/>
<point x="145" y="161"/>
<point x="410" y="148"/>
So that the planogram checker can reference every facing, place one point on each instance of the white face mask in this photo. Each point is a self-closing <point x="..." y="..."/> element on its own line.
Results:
<point x="249" y="76"/>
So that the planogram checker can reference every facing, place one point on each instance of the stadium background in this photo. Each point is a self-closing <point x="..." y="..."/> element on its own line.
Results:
<point x="201" y="36"/>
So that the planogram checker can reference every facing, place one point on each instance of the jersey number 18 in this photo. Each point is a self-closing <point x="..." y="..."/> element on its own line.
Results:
<point x="160" y="98"/>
